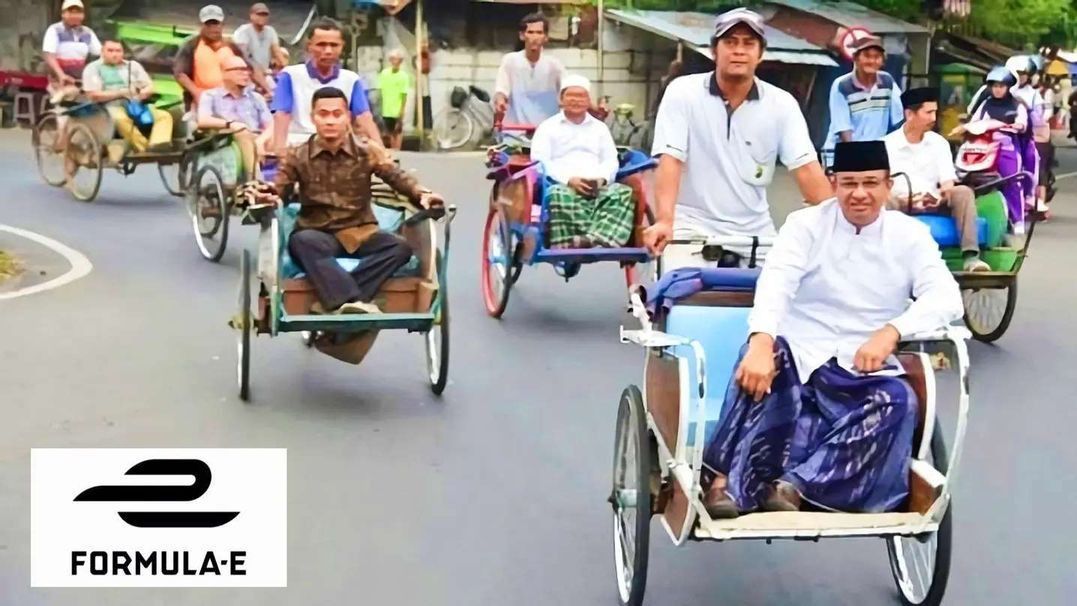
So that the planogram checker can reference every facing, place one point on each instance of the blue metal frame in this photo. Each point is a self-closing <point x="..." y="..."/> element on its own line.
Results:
<point x="412" y="322"/>
<point x="632" y="162"/>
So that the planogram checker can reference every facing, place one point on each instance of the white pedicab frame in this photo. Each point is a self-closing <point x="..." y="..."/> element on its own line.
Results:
<point x="664" y="478"/>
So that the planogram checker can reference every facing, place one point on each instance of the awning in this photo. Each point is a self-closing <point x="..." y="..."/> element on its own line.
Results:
<point x="694" y="29"/>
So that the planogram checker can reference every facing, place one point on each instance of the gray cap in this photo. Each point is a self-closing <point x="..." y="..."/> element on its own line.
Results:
<point x="730" y="19"/>
<point x="211" y="12"/>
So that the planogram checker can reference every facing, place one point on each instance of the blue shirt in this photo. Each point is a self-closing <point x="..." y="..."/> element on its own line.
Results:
<point x="284" y="97"/>
<point x="869" y="114"/>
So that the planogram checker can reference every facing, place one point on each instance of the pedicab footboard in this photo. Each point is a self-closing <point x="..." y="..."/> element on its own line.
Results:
<point x="684" y="385"/>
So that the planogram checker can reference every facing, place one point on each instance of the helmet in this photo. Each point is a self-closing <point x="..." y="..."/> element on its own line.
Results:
<point x="1001" y="75"/>
<point x="1021" y="64"/>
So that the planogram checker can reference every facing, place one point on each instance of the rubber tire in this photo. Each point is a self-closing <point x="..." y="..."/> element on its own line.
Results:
<point x="944" y="548"/>
<point x="495" y="309"/>
<point x="442" y="130"/>
<point x="438" y="386"/>
<point x="36" y="136"/>
<point x="631" y="417"/>
<point x="222" y="205"/>
<point x="1004" y="323"/>
<point x="183" y="177"/>
<point x="244" y="340"/>
<point x="95" y="151"/>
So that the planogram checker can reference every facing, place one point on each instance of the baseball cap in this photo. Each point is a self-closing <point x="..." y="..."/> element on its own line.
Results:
<point x="211" y="12"/>
<point x="72" y="4"/>
<point x="575" y="80"/>
<point x="259" y="7"/>
<point x="868" y="42"/>
<point x="730" y="19"/>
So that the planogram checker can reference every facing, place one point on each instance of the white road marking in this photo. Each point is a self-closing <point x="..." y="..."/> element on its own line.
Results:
<point x="80" y="265"/>
<point x="1065" y="176"/>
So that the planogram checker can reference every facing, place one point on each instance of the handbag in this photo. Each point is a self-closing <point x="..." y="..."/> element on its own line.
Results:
<point x="138" y="111"/>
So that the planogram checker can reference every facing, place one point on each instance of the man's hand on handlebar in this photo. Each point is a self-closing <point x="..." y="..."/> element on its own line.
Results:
<point x="657" y="236"/>
<point x="431" y="200"/>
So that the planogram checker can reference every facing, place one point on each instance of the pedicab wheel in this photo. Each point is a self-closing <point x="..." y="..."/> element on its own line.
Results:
<point x="631" y="497"/>
<point x="209" y="209"/>
<point x="244" y="324"/>
<point x="454" y="129"/>
<point x="83" y="163"/>
<point x="176" y="175"/>
<point x="988" y="311"/>
<point x="437" y="340"/>
<point x="921" y="564"/>
<point x="497" y="261"/>
<point x="50" y="161"/>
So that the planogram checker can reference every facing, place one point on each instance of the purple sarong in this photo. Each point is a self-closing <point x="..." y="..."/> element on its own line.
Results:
<point x="843" y="440"/>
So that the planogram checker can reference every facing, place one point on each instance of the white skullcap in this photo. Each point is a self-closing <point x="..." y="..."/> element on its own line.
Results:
<point x="575" y="80"/>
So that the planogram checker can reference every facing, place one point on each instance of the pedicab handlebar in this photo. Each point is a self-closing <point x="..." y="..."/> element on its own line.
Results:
<point x="435" y="213"/>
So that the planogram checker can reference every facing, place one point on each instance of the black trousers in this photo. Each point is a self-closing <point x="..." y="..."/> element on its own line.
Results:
<point x="316" y="252"/>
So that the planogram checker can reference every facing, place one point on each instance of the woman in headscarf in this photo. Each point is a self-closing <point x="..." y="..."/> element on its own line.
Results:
<point x="1000" y="104"/>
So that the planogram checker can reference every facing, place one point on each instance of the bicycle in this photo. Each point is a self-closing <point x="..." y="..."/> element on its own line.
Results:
<point x="470" y="116"/>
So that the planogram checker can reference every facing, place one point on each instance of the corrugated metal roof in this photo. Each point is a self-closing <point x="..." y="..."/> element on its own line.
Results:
<point x="695" y="29"/>
<point x="850" y="15"/>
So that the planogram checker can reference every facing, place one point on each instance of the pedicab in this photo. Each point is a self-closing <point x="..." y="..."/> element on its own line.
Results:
<point x="691" y="342"/>
<point x="414" y="299"/>
<point x="216" y="164"/>
<point x="517" y="221"/>
<point x="93" y="144"/>
<point x="990" y="297"/>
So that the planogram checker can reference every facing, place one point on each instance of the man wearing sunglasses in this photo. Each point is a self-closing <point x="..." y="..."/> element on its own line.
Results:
<point x="237" y="108"/>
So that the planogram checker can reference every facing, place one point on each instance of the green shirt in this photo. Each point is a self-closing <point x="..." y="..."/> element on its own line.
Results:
<point x="394" y="87"/>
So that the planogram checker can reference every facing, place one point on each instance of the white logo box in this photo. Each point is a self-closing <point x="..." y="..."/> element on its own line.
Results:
<point x="86" y="543"/>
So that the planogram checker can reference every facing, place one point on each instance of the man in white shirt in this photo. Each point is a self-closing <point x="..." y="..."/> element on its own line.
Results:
<point x="718" y="136"/>
<point x="577" y="152"/>
<point x="820" y="411"/>
<point x="924" y="156"/>
<point x="66" y="47"/>
<point x="259" y="40"/>
<point x="528" y="81"/>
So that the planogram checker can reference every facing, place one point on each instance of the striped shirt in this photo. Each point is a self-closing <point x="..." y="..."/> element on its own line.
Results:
<point x="869" y="113"/>
<point x="71" y="46"/>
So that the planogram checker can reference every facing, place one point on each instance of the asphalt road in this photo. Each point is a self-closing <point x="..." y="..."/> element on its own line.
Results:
<point x="494" y="494"/>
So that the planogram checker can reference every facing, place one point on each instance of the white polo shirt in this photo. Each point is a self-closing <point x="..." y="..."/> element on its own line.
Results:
<point x="927" y="163"/>
<point x="728" y="158"/>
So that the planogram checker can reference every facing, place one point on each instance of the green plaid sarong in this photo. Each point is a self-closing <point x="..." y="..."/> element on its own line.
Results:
<point x="606" y="220"/>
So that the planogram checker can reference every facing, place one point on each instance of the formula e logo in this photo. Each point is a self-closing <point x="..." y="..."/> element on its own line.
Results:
<point x="158" y="517"/>
<point x="164" y="519"/>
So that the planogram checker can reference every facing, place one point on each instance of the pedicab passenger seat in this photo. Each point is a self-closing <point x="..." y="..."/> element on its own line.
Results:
<point x="711" y="306"/>
<point x="389" y="220"/>
<point x="944" y="229"/>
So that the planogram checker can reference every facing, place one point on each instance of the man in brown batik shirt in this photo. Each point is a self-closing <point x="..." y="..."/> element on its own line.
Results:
<point x="333" y="170"/>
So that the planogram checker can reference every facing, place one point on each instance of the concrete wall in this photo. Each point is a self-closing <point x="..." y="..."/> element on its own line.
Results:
<point x="22" y="26"/>
<point x="634" y="63"/>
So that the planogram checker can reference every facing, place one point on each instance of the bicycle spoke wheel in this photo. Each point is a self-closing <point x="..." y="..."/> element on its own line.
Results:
<point x="988" y="311"/>
<point x="176" y="176"/>
<point x="83" y="163"/>
<point x="47" y="152"/>
<point x="454" y="129"/>
<point x="631" y="497"/>
<point x="921" y="564"/>
<point x="209" y="209"/>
